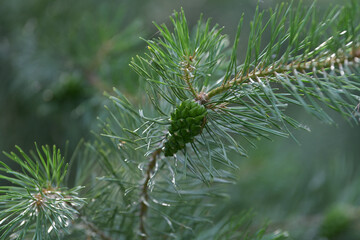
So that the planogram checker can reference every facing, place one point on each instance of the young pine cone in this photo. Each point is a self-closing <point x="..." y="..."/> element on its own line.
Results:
<point x="187" y="121"/>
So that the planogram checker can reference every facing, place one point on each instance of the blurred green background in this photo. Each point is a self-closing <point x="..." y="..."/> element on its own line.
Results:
<point x="57" y="57"/>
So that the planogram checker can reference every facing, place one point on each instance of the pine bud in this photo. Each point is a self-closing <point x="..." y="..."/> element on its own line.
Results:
<point x="187" y="121"/>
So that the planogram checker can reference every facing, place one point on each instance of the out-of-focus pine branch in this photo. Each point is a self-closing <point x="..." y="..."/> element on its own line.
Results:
<point x="167" y="163"/>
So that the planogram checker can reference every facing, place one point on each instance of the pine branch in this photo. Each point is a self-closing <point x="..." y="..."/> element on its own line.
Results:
<point x="312" y="66"/>
<point x="35" y="201"/>
<point x="293" y="68"/>
<point x="203" y="105"/>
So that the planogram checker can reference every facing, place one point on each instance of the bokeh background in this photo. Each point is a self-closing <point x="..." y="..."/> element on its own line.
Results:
<point x="58" y="57"/>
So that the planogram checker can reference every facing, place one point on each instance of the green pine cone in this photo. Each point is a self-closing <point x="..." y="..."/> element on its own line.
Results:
<point x="187" y="121"/>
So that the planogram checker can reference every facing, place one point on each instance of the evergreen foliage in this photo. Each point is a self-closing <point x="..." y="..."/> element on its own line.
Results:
<point x="37" y="200"/>
<point x="162" y="167"/>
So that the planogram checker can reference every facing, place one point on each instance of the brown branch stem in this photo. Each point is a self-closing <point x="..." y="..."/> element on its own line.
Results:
<point x="144" y="193"/>
<point x="294" y="66"/>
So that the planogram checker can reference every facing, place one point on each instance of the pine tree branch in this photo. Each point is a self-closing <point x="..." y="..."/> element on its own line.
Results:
<point x="37" y="195"/>
<point x="311" y="65"/>
<point x="144" y="193"/>
<point x="293" y="68"/>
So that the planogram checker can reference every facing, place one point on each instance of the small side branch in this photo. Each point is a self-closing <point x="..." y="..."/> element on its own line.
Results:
<point x="144" y="193"/>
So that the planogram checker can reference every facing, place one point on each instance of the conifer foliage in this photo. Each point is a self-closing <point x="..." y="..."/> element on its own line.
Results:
<point x="163" y="167"/>
<point x="37" y="201"/>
